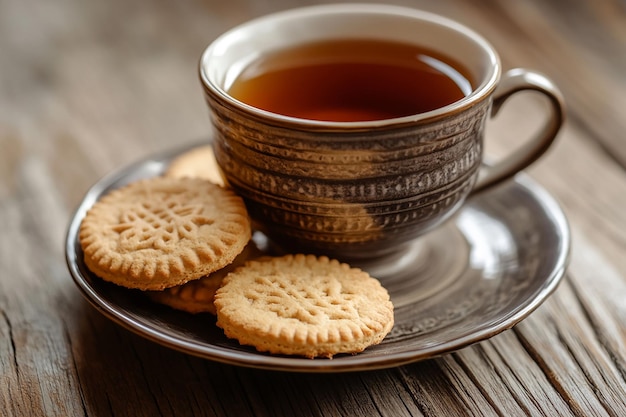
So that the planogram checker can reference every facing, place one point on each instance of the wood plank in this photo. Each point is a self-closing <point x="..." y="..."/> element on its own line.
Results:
<point x="504" y="362"/>
<point x="601" y="291"/>
<point x="88" y="87"/>
<point x="573" y="361"/>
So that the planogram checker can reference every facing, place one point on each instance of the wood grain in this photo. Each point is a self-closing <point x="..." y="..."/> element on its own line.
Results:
<point x="87" y="87"/>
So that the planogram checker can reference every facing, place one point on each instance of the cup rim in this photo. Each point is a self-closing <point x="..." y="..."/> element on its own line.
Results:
<point x="479" y="93"/>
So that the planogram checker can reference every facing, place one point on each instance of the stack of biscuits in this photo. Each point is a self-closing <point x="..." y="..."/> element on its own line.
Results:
<point x="185" y="240"/>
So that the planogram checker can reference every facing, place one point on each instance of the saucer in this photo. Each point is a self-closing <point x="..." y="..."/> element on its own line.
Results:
<point x="482" y="272"/>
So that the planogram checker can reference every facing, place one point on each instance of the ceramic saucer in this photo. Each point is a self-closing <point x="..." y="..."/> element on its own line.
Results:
<point x="481" y="273"/>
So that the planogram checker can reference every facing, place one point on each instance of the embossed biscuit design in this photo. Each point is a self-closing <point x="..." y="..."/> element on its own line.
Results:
<point x="303" y="305"/>
<point x="161" y="232"/>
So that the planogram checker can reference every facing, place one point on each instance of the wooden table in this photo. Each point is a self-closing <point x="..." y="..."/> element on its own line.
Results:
<point x="88" y="87"/>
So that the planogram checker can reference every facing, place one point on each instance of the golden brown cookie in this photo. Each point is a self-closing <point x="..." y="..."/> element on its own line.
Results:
<point x="161" y="232"/>
<point x="194" y="296"/>
<point x="197" y="296"/>
<point x="303" y="305"/>
<point x="196" y="163"/>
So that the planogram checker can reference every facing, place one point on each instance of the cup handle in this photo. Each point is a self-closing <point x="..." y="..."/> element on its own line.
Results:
<point x="512" y="82"/>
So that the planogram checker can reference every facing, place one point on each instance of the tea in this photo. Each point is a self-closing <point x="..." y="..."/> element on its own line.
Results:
<point x="351" y="80"/>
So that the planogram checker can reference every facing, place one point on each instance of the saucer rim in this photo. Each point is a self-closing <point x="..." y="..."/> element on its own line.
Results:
<point x="232" y="356"/>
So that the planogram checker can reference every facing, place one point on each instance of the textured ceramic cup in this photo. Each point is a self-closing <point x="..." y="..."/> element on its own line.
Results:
<point x="362" y="189"/>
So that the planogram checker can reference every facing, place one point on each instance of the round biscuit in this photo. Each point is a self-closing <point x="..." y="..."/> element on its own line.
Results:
<point x="196" y="163"/>
<point x="192" y="297"/>
<point x="197" y="296"/>
<point x="160" y="232"/>
<point x="303" y="305"/>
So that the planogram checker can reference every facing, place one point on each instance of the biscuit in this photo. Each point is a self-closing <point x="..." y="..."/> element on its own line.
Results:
<point x="197" y="296"/>
<point x="196" y="163"/>
<point x="194" y="296"/>
<point x="161" y="232"/>
<point x="303" y="305"/>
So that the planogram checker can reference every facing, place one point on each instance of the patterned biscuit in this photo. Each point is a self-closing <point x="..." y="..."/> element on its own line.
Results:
<point x="196" y="163"/>
<point x="194" y="296"/>
<point x="303" y="305"/>
<point x="161" y="232"/>
<point x="197" y="296"/>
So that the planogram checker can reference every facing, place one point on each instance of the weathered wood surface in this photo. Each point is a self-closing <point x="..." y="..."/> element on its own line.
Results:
<point x="86" y="87"/>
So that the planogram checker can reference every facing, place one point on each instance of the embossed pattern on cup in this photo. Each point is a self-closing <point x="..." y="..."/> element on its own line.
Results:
<point x="358" y="190"/>
<point x="349" y="194"/>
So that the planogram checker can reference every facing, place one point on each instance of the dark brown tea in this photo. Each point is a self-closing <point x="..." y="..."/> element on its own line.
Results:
<point x="352" y="80"/>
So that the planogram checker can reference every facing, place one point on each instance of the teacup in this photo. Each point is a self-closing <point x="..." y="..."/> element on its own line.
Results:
<point x="358" y="189"/>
